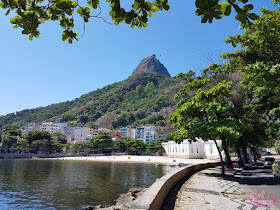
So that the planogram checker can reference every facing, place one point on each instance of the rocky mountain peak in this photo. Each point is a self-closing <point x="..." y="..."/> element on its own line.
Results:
<point x="151" y="65"/>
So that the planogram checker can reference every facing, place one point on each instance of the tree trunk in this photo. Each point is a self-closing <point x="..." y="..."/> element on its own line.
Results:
<point x="245" y="154"/>
<point x="221" y="157"/>
<point x="228" y="160"/>
<point x="255" y="154"/>
<point x="239" y="154"/>
<point x="3" y="146"/>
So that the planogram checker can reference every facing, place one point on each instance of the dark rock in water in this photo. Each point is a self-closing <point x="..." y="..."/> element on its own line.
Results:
<point x="125" y="200"/>
<point x="89" y="208"/>
<point x="128" y="198"/>
<point x="151" y="65"/>
<point x="182" y="164"/>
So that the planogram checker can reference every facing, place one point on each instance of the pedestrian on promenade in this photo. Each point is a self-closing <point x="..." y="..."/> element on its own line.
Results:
<point x="238" y="160"/>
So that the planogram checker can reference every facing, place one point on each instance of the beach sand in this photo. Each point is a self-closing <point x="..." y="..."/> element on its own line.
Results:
<point x="139" y="159"/>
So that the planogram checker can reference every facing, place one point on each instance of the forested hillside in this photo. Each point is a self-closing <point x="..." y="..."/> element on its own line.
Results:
<point x="129" y="102"/>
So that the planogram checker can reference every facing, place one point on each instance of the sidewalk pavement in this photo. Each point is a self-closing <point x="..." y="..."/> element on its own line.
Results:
<point x="207" y="189"/>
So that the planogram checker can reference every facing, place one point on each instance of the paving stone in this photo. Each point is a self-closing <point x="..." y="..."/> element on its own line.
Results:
<point x="208" y="190"/>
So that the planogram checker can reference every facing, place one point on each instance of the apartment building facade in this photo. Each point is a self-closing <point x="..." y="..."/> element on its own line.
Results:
<point x="150" y="134"/>
<point x="31" y="126"/>
<point x="139" y="133"/>
<point x="53" y="127"/>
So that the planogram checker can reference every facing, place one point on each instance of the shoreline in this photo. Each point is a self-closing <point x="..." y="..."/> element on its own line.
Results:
<point x="138" y="159"/>
<point x="160" y="160"/>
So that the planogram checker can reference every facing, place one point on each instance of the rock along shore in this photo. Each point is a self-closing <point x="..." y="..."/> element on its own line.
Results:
<point x="123" y="202"/>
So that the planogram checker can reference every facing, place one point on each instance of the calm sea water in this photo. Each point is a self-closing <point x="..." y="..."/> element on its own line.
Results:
<point x="57" y="184"/>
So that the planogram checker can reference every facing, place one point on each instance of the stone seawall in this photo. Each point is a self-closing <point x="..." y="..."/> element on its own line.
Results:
<point x="155" y="195"/>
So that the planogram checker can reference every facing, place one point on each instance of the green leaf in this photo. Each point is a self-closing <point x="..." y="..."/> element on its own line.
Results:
<point x="166" y="7"/>
<point x="211" y="16"/>
<point x="253" y="16"/>
<point x="224" y="6"/>
<point x="228" y="11"/>
<point x="8" y="12"/>
<point x="217" y="14"/>
<point x="25" y="32"/>
<point x="237" y="8"/>
<point x="204" y="18"/>
<point x="135" y="5"/>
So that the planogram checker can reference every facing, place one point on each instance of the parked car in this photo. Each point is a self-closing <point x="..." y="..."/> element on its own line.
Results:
<point x="276" y="168"/>
<point x="268" y="161"/>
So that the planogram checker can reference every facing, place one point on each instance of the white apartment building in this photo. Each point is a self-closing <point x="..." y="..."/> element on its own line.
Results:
<point x="61" y="126"/>
<point x="77" y="134"/>
<point x="31" y="126"/>
<point x="48" y="126"/>
<point x="81" y="133"/>
<point x="194" y="150"/>
<point x="69" y="133"/>
<point x="53" y="127"/>
<point x="146" y="134"/>
<point x="149" y="134"/>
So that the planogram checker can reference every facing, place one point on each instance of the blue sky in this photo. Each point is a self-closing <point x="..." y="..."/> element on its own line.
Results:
<point x="47" y="70"/>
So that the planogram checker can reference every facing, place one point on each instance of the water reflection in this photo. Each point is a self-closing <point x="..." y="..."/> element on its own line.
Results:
<point x="54" y="184"/>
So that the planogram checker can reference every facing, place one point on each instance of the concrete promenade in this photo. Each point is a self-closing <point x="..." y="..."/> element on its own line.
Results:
<point x="207" y="190"/>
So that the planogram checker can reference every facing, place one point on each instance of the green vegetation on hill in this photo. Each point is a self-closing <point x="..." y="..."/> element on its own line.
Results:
<point x="139" y="94"/>
<point x="139" y="118"/>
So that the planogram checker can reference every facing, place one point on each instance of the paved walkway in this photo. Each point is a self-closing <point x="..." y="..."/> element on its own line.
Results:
<point x="208" y="190"/>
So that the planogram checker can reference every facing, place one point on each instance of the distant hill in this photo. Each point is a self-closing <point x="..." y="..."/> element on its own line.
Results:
<point x="143" y="98"/>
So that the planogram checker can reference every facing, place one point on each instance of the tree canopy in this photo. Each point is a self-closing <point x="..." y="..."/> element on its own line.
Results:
<point x="260" y="65"/>
<point x="101" y="141"/>
<point x="243" y="111"/>
<point x="9" y="137"/>
<point x="29" y="15"/>
<point x="38" y="135"/>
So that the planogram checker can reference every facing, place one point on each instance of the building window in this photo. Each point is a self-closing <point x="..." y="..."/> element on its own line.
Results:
<point x="211" y="148"/>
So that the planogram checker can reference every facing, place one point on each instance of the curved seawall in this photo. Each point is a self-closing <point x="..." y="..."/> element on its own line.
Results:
<point x="154" y="197"/>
